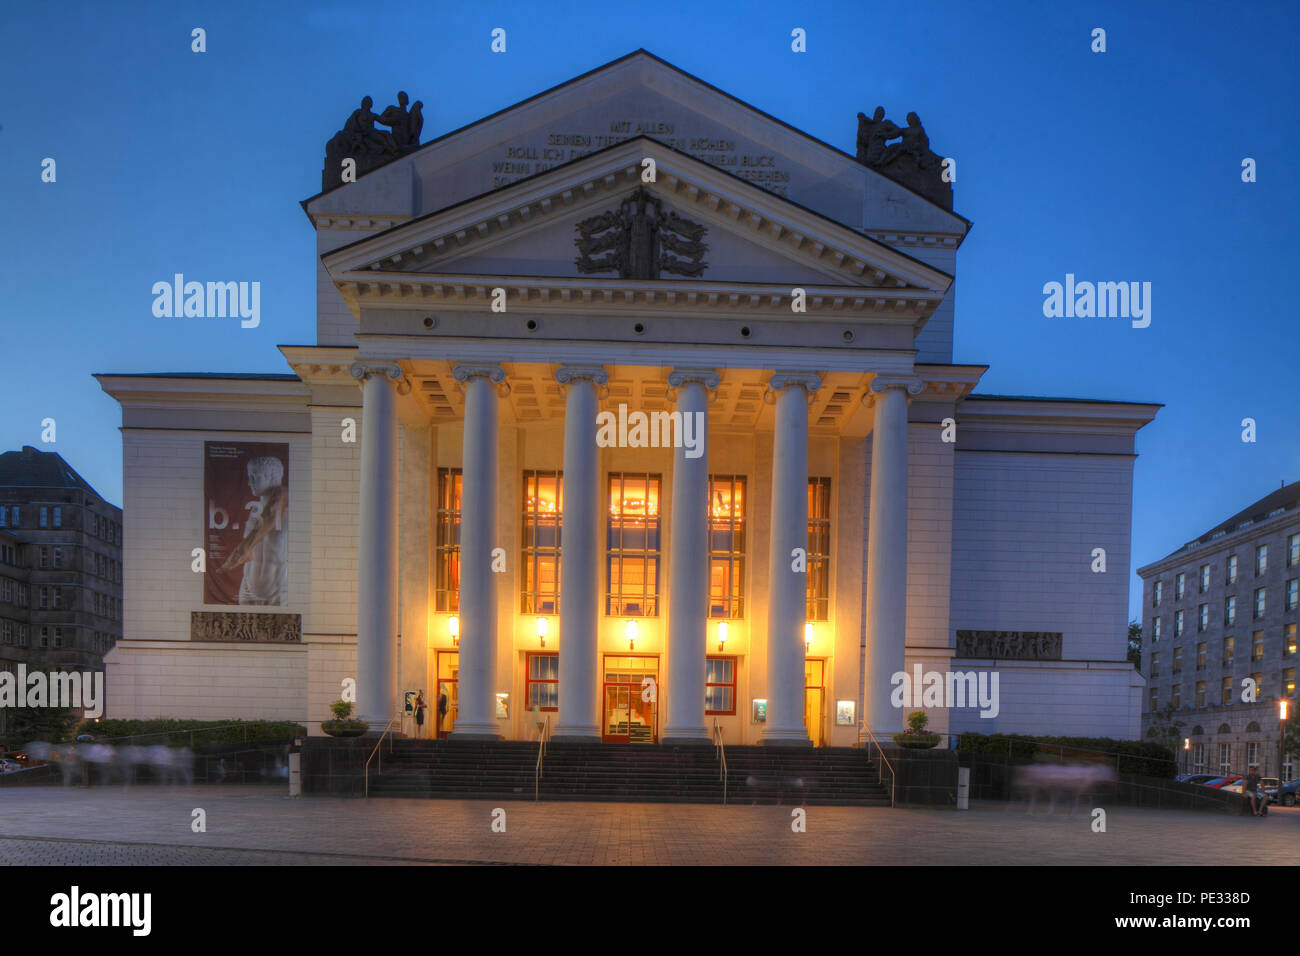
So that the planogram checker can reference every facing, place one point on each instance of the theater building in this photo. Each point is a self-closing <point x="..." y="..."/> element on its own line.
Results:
<point x="632" y="409"/>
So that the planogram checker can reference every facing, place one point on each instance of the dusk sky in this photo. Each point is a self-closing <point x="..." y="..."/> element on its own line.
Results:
<point x="1116" y="166"/>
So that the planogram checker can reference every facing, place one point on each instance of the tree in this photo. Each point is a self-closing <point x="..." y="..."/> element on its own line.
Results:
<point x="1164" y="728"/>
<point x="1135" y="644"/>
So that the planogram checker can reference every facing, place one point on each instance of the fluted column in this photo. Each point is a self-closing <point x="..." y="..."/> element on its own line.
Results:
<point x="579" y="557"/>
<point x="887" y="550"/>
<point x="688" y="561"/>
<point x="377" y="543"/>
<point x="788" y="588"/>
<point x="476" y="719"/>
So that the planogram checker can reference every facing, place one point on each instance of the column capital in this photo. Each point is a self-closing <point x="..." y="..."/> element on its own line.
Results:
<point x="810" y="381"/>
<point x="707" y="377"/>
<point x="912" y="384"/>
<point x="593" y="373"/>
<point x="361" y="371"/>
<point x="492" y="371"/>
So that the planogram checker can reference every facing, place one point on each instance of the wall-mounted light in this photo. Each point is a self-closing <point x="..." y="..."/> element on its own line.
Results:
<point x="453" y="628"/>
<point x="1187" y="743"/>
<point x="807" y="636"/>
<point x="1282" y="709"/>
<point x="541" y="631"/>
<point x="722" y="635"/>
<point x="631" y="635"/>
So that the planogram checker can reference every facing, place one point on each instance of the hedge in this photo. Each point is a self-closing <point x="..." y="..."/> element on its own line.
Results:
<point x="1136" y="757"/>
<point x="176" y="733"/>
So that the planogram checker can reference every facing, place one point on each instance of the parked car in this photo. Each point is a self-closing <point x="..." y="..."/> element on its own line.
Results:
<point x="1219" y="782"/>
<point x="9" y="766"/>
<point x="1196" y="777"/>
<point x="1286" y="794"/>
<point x="1269" y="786"/>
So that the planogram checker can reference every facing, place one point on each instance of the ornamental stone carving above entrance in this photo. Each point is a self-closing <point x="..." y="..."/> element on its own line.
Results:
<point x="638" y="241"/>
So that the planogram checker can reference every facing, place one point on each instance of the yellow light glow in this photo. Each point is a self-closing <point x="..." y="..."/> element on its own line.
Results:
<point x="541" y="627"/>
<point x="807" y="634"/>
<point x="631" y="635"/>
<point x="1282" y="709"/>
<point x="453" y="626"/>
<point x="722" y="632"/>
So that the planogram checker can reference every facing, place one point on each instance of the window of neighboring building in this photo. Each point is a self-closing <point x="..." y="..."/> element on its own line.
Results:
<point x="1153" y="702"/>
<point x="45" y="598"/>
<point x="1259" y="603"/>
<point x="1226" y="691"/>
<point x="1178" y="696"/>
<point x="1200" y="693"/>
<point x="58" y="557"/>
<point x="1232" y="569"/>
<point x="1202" y="617"/>
<point x="543" y="508"/>
<point x="1261" y="559"/>
<point x="1292" y="593"/>
<point x="1225" y="759"/>
<point x="1292" y="550"/>
<point x="1155" y="665"/>
<point x="1156" y="589"/>
<point x="1288" y="767"/>
<point x="4" y="516"/>
<point x="94" y="524"/>
<point x="58" y="598"/>
<point x="45" y="516"/>
<point x="1178" y="623"/>
<point x="58" y="637"/>
<point x="1155" y="629"/>
<point x="819" y="549"/>
<point x="1252" y="753"/>
<point x="1288" y="681"/>
<point x="543" y="684"/>
<point x="1229" y="611"/>
<point x="1200" y="657"/>
<point x="1289" y="639"/>
<point x="632" y="547"/>
<point x="1198" y="758"/>
<point x="726" y="546"/>
<point x="719" y="685"/>
<point x="1257" y="646"/>
<point x="45" y="557"/>
<point x="13" y="517"/>
<point x="1228" y="650"/>
<point x="22" y="635"/>
<point x="1178" y="660"/>
<point x="447" y="541"/>
<point x="1258" y="678"/>
<point x="58" y="517"/>
<point x="1180" y="585"/>
<point x="1205" y="578"/>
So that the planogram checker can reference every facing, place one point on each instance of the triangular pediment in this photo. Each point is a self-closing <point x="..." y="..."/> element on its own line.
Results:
<point x="529" y="229"/>
<point x="639" y="95"/>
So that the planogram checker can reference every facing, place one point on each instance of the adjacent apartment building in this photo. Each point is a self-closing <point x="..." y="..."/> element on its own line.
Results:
<point x="1220" y="626"/>
<point x="60" y="565"/>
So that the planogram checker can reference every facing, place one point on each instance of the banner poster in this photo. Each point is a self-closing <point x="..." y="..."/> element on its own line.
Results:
<point x="245" y="522"/>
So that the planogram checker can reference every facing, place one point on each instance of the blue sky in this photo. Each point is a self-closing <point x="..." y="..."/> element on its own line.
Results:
<point x="1116" y="166"/>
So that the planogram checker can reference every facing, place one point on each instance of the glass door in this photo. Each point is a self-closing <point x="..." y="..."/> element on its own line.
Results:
<point x="814" y="670"/>
<point x="447" y="705"/>
<point x="631" y="700"/>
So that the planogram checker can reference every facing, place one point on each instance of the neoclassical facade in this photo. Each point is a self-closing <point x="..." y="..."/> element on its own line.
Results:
<point x="632" y="409"/>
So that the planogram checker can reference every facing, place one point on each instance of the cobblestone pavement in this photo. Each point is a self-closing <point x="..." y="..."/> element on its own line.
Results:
<point x="259" y="825"/>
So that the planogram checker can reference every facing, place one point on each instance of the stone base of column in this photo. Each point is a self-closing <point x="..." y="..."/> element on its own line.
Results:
<point x="786" y="739"/>
<point x="475" y="732"/>
<point x="570" y="737"/>
<point x="686" y="737"/>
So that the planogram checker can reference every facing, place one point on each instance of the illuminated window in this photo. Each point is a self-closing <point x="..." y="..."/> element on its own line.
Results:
<point x="1288" y="681"/>
<point x="447" y="541"/>
<point x="632" y="555"/>
<point x="819" y="549"/>
<point x="543" y="506"/>
<point x="1289" y="639"/>
<point x="726" y="546"/>
<point x="719" y="685"/>
<point x="1293" y="550"/>
<point x="1200" y="657"/>
<point x="1258" y="678"/>
<point x="1228" y="651"/>
<point x="543" y="684"/>
<point x="1257" y="646"/>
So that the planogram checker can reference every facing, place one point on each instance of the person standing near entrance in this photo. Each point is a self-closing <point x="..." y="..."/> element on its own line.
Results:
<point x="419" y="714"/>
<point x="1249" y="789"/>
<point x="442" y="711"/>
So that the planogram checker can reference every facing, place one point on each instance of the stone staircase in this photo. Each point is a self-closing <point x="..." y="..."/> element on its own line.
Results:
<point x="628" y="773"/>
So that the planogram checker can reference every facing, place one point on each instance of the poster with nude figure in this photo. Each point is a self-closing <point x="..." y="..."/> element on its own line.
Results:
<point x="245" y="522"/>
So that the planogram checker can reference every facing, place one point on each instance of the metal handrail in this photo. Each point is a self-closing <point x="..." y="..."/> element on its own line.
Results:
<point x="387" y="727"/>
<point x="543" y="734"/>
<point x="893" y="777"/>
<point x="721" y="751"/>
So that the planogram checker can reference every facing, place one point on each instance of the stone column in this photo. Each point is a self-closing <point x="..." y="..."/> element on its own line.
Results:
<point x="887" y="550"/>
<point x="788" y="588"/>
<point x="476" y="719"/>
<point x="579" y="557"/>
<point x="688" y="561"/>
<point x="377" y="543"/>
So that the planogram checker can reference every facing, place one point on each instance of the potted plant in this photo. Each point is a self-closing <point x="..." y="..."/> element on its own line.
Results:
<point x="916" y="737"/>
<point x="343" y="724"/>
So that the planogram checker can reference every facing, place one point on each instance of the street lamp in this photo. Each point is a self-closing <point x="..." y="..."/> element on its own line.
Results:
<point x="541" y="631"/>
<point x="453" y="628"/>
<point x="722" y="636"/>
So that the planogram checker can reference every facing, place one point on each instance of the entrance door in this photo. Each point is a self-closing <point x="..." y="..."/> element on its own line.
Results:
<point x="448" y="692"/>
<point x="631" y="700"/>
<point x="814" y="703"/>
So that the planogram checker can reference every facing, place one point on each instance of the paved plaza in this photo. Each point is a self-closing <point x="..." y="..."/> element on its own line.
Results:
<point x="259" y="826"/>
